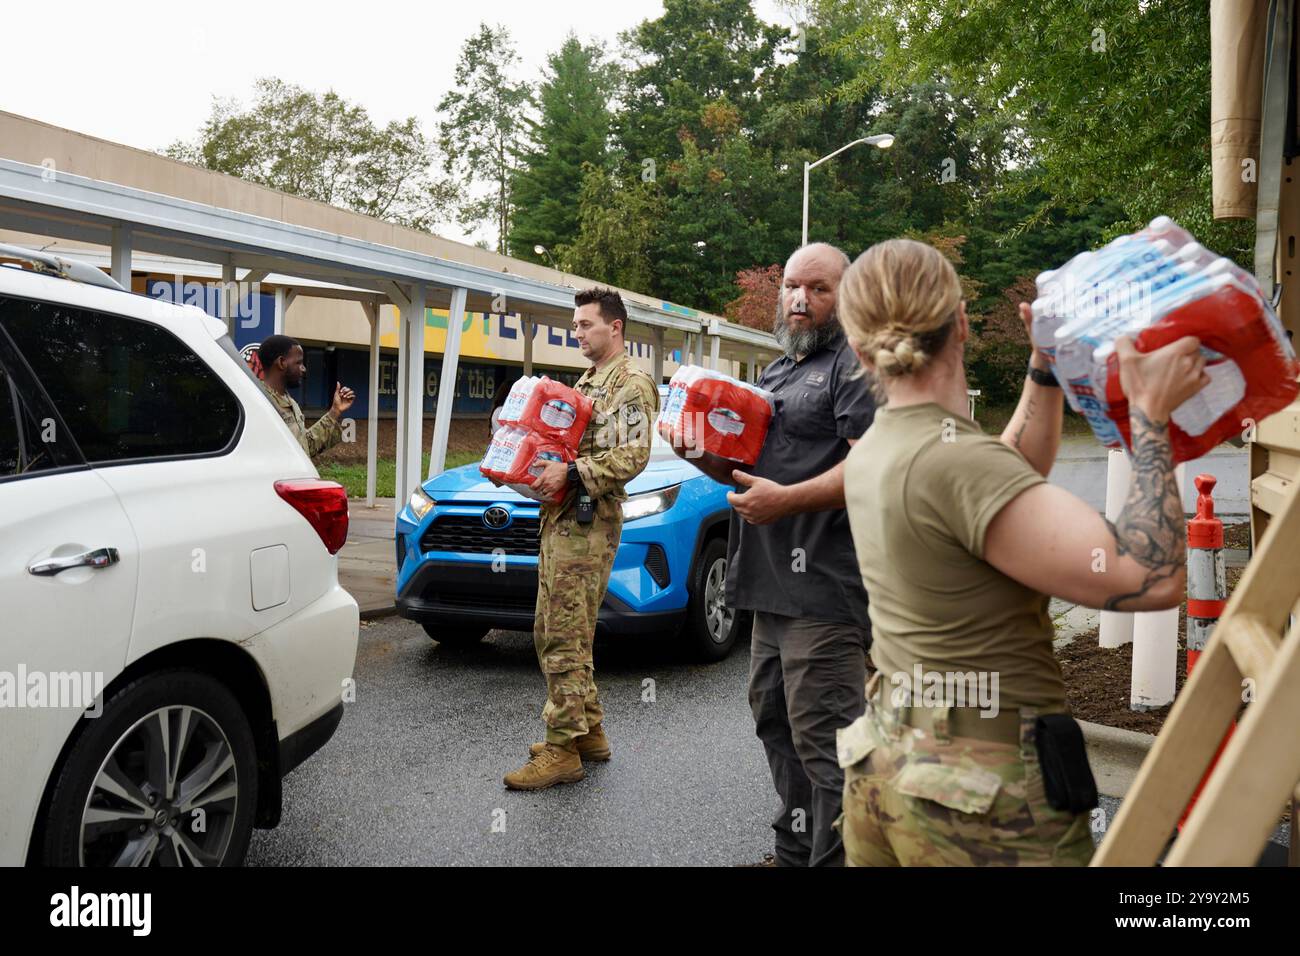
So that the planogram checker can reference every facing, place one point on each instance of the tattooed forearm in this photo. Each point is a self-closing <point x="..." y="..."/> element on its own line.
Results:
<point x="1150" y="527"/>
<point x="1024" y="423"/>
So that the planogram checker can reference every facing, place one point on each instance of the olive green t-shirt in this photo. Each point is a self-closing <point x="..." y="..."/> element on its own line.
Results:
<point x="921" y="488"/>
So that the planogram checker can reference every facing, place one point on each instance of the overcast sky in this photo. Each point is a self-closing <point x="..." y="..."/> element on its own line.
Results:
<point x="144" y="73"/>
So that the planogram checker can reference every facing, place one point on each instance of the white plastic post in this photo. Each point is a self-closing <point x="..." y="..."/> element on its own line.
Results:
<point x="1116" y="626"/>
<point x="1155" y="650"/>
<point x="372" y="400"/>
<point x="1155" y="659"/>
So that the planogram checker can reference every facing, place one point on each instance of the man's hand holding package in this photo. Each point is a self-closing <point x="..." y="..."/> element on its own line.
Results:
<point x="554" y="476"/>
<point x="762" y="502"/>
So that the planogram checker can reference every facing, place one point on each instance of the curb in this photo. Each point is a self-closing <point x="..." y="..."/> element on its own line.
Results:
<point x="375" y="613"/>
<point x="1115" y="756"/>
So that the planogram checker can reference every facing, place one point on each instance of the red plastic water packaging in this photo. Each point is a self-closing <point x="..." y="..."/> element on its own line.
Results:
<point x="502" y="450"/>
<point x="1253" y="372"/>
<point x="1156" y="286"/>
<point x="534" y="453"/>
<point x="556" y="411"/>
<point x="723" y="416"/>
<point x="513" y="409"/>
<point x="517" y="457"/>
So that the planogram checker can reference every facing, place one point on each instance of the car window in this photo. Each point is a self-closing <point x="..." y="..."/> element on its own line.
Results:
<point x="126" y="389"/>
<point x="25" y="444"/>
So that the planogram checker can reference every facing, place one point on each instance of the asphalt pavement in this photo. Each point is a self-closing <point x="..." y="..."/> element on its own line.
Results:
<point x="413" y="774"/>
<point x="1081" y="468"/>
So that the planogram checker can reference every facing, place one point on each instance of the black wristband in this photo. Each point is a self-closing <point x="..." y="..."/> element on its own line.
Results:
<point x="573" y="476"/>
<point x="1039" y="377"/>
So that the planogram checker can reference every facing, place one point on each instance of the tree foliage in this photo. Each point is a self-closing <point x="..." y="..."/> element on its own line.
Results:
<point x="323" y="147"/>
<point x="1024" y="133"/>
<point x="572" y="130"/>
<point x="760" y="292"/>
<point x="482" y="130"/>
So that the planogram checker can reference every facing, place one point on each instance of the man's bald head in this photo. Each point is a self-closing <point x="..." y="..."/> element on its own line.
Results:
<point x="805" y="316"/>
<point x="830" y="257"/>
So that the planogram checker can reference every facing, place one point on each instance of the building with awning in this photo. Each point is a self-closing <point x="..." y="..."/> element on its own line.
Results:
<point x="159" y="225"/>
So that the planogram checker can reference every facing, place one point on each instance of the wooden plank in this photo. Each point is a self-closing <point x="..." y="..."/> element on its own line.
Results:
<point x="1253" y="647"/>
<point x="1200" y="717"/>
<point x="1265" y="765"/>
<point x="1239" y="807"/>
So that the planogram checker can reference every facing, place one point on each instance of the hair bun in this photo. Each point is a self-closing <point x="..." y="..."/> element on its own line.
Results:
<point x="887" y="361"/>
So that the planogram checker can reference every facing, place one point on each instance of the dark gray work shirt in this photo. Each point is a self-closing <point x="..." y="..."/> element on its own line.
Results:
<point x="804" y="565"/>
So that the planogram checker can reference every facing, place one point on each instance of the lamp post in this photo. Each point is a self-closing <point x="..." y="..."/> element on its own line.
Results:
<point x="880" y="141"/>
<point x="541" y="250"/>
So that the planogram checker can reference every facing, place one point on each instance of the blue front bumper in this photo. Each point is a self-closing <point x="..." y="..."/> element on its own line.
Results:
<point x="459" y="575"/>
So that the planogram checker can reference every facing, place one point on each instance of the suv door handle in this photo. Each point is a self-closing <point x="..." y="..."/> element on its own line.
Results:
<point x="98" y="558"/>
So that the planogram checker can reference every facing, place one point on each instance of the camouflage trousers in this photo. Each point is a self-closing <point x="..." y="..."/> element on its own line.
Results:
<point x="918" y="798"/>
<point x="573" y="569"/>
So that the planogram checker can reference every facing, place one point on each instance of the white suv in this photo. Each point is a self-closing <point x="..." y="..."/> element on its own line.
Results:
<point x="173" y="636"/>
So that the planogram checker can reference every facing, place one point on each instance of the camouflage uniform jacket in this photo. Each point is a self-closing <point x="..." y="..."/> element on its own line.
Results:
<point x="616" y="445"/>
<point x="325" y="434"/>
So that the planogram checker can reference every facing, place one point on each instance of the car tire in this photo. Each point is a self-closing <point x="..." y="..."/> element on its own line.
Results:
<point x="711" y="629"/>
<point x="107" y="787"/>
<point x="458" y="638"/>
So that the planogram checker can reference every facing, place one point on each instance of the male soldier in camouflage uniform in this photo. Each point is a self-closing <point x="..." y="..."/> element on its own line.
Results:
<point x="283" y="368"/>
<point x="576" y="557"/>
<point x="944" y="786"/>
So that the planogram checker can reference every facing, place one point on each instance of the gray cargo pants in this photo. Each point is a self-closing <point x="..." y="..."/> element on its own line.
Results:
<point x="807" y="679"/>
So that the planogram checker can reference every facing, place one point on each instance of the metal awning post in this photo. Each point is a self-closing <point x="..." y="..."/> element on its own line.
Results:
<point x="228" y="293"/>
<point x="120" y="268"/>
<point x="528" y="328"/>
<point x="372" y="410"/>
<point x="447" y="384"/>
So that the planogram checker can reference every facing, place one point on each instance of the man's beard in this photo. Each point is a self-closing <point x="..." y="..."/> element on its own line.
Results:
<point x="805" y="341"/>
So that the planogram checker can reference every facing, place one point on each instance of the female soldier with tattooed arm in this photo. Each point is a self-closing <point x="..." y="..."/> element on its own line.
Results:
<point x="967" y="755"/>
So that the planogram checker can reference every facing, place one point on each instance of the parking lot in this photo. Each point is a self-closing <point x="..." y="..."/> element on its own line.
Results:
<point x="413" y="775"/>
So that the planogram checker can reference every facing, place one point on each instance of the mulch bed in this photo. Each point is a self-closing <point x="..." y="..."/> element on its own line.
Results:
<point x="1098" y="679"/>
<point x="1237" y="536"/>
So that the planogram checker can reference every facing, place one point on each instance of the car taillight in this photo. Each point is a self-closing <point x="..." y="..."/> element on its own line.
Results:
<point x="323" y="503"/>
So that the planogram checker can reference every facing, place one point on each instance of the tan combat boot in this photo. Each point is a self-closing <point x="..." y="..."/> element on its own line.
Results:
<point x="593" y="745"/>
<point x="546" y="768"/>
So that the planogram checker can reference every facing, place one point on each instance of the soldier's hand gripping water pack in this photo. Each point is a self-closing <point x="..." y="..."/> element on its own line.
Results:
<point x="714" y="412"/>
<point x="517" y="457"/>
<point x="1158" y="285"/>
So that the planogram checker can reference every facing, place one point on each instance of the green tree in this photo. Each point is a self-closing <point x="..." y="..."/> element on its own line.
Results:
<point x="719" y="198"/>
<point x="322" y="147"/>
<point x="572" y="129"/>
<point x="482" y="130"/>
<point x="618" y="226"/>
<point x="696" y="53"/>
<point x="1111" y="96"/>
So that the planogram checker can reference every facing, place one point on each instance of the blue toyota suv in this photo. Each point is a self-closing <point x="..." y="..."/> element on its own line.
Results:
<point x="467" y="559"/>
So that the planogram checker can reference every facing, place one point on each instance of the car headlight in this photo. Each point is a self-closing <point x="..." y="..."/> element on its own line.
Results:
<point x="420" y="503"/>
<point x="650" y="503"/>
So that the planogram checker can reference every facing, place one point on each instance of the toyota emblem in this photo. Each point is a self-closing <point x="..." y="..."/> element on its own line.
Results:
<point x="496" y="517"/>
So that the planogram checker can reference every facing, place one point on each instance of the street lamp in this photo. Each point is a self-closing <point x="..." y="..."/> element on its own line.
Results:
<point x="880" y="141"/>
<point x="541" y="250"/>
